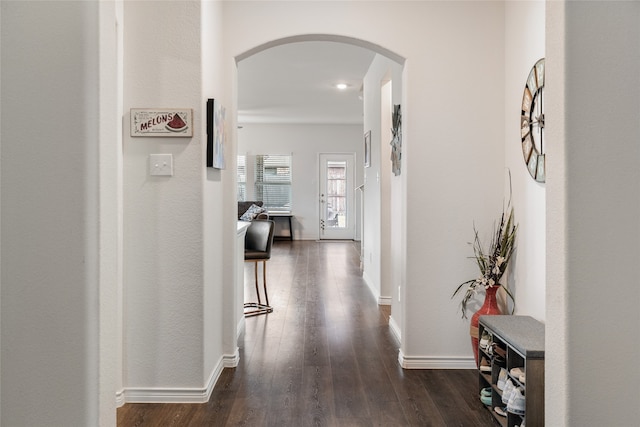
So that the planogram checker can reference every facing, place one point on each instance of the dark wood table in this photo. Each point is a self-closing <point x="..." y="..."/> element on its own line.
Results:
<point x="288" y="216"/>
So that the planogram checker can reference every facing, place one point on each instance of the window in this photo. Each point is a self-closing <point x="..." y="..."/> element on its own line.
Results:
<point x="336" y="193"/>
<point x="271" y="175"/>
<point x="242" y="178"/>
<point x="273" y="181"/>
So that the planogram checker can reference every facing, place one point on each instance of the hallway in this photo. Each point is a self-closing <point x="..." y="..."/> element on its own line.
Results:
<point x="324" y="357"/>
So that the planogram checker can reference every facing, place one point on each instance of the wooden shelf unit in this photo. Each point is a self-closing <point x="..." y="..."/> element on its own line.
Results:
<point x="522" y="339"/>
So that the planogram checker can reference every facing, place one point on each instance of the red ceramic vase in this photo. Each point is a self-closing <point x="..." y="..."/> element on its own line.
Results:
<point x="490" y="306"/>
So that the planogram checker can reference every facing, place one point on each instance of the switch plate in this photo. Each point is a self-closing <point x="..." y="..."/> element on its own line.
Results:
<point x="161" y="164"/>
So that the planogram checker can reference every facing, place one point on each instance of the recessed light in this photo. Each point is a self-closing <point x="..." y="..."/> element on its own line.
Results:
<point x="342" y="86"/>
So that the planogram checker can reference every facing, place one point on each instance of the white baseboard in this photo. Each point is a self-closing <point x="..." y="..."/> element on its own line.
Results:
<point x="435" y="362"/>
<point x="395" y="328"/>
<point x="179" y="395"/>
<point x="230" y="360"/>
<point x="120" y="398"/>
<point x="384" y="300"/>
<point x="166" y="395"/>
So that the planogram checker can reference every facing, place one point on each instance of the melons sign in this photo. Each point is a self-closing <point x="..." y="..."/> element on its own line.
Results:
<point x="161" y="122"/>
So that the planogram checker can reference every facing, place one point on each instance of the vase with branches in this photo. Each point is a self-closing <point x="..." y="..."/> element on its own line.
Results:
<point x="492" y="262"/>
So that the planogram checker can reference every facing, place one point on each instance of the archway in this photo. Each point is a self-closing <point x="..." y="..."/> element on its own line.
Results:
<point x="323" y="37"/>
<point x="379" y="267"/>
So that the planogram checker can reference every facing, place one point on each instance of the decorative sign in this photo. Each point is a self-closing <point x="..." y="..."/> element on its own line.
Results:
<point x="161" y="122"/>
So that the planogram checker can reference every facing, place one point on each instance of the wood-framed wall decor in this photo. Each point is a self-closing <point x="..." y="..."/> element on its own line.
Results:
<point x="396" y="142"/>
<point x="216" y="134"/>
<point x="532" y="123"/>
<point x="162" y="122"/>
<point x="367" y="149"/>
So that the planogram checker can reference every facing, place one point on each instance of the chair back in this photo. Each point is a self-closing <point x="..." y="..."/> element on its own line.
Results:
<point x="259" y="239"/>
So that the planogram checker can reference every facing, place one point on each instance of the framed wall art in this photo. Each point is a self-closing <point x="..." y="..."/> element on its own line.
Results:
<point x="166" y="122"/>
<point x="396" y="142"/>
<point x="216" y="134"/>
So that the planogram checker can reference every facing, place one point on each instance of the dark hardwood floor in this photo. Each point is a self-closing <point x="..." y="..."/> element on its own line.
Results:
<point x="324" y="357"/>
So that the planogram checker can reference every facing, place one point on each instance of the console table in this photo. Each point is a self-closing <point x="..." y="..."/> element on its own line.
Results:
<point x="286" y="215"/>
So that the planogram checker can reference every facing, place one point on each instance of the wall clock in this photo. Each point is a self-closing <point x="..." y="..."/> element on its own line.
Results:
<point x="532" y="123"/>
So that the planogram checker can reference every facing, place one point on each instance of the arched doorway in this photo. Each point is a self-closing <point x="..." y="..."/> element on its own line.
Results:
<point x="383" y="84"/>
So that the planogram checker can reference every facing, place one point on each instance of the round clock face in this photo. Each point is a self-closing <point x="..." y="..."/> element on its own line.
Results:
<point x="532" y="122"/>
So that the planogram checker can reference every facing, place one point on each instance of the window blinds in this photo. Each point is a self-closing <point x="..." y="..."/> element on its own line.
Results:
<point x="242" y="178"/>
<point x="273" y="181"/>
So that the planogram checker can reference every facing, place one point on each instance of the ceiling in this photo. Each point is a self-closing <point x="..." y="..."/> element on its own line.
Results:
<point x="295" y="83"/>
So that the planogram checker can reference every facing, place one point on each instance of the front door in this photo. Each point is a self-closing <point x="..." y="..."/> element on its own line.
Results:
<point x="337" y="211"/>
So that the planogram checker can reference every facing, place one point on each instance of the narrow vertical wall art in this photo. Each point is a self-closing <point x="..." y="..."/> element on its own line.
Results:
<point x="396" y="142"/>
<point x="216" y="134"/>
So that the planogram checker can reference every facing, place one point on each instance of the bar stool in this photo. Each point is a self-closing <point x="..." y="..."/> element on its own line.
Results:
<point x="257" y="248"/>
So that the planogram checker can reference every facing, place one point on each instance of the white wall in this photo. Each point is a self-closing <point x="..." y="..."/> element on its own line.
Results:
<point x="372" y="230"/>
<point x="50" y="314"/>
<point x="387" y="208"/>
<point x="397" y="249"/>
<point x="453" y="150"/>
<point x="453" y="156"/>
<point x="111" y="225"/>
<point x="593" y="209"/>
<point x="0" y="219"/>
<point x="304" y="142"/>
<point x="377" y="258"/>
<point x="221" y="306"/>
<point x="453" y="142"/>
<point x="524" y="45"/>
<point x="171" y="297"/>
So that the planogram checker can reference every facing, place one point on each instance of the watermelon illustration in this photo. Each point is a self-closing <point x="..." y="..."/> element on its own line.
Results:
<point x="176" y="124"/>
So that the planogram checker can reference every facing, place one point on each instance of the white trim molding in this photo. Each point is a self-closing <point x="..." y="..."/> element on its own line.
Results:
<point x="384" y="300"/>
<point x="179" y="395"/>
<point x="435" y="362"/>
<point x="167" y="395"/>
<point x="120" y="398"/>
<point x="230" y="361"/>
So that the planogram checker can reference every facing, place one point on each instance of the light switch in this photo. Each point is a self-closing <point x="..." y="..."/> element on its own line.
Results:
<point x="161" y="164"/>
